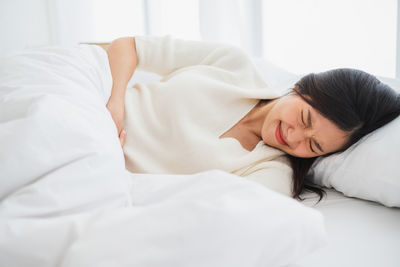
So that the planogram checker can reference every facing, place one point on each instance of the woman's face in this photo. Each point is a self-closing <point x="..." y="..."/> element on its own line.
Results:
<point x="295" y="127"/>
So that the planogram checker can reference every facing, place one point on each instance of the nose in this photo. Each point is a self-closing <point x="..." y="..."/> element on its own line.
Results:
<point x="296" y="135"/>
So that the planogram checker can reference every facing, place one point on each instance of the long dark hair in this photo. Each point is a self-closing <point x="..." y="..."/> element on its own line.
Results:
<point x="355" y="101"/>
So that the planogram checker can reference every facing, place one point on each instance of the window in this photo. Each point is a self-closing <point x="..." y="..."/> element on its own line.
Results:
<point x="305" y="36"/>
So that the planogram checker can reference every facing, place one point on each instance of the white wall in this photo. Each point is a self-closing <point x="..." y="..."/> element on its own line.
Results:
<point x="313" y="35"/>
<point x="30" y="23"/>
<point x="96" y="20"/>
<point x="23" y="24"/>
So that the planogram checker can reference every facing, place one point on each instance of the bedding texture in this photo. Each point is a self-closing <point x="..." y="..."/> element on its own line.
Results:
<point x="67" y="199"/>
<point x="360" y="233"/>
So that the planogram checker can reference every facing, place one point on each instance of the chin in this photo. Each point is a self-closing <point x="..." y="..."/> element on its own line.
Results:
<point x="301" y="156"/>
<point x="284" y="150"/>
<point x="277" y="146"/>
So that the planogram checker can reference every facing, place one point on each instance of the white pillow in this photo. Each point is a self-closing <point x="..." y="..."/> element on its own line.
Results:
<point x="367" y="170"/>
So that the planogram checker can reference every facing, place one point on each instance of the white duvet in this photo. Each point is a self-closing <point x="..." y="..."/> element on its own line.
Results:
<point x="67" y="200"/>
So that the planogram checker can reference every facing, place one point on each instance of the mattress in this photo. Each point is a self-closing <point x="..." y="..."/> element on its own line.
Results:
<point x="360" y="233"/>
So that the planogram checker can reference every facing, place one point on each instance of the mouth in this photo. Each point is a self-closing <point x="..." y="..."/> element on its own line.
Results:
<point x="278" y="135"/>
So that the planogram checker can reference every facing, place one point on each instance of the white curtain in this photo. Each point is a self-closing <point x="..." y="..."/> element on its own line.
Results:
<point x="300" y="36"/>
<point x="238" y="22"/>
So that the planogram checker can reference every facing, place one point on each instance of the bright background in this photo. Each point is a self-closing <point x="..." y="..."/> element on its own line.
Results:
<point x="300" y="36"/>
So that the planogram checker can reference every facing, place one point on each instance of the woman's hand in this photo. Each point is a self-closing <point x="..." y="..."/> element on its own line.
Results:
<point x="117" y="111"/>
<point x="123" y="60"/>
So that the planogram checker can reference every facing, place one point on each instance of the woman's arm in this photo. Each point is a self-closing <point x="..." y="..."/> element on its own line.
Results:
<point x="166" y="54"/>
<point x="123" y="61"/>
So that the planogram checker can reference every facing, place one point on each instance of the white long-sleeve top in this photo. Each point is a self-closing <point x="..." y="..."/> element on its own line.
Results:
<point x="173" y="125"/>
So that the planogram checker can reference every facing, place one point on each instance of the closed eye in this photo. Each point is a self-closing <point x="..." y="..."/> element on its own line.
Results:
<point x="302" y="119"/>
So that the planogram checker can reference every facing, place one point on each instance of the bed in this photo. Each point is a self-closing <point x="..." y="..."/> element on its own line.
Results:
<point x="67" y="200"/>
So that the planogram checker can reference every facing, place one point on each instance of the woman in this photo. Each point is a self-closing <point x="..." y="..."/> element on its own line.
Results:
<point x="212" y="110"/>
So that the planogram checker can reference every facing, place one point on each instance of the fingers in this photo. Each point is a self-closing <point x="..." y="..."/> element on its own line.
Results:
<point x="122" y="137"/>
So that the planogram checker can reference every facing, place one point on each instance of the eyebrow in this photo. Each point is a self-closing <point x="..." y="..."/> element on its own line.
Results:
<point x="310" y="125"/>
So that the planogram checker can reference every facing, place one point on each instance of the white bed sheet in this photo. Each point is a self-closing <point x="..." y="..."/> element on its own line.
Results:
<point x="360" y="233"/>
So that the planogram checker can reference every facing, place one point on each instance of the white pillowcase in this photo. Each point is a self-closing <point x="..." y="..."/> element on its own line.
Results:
<point x="369" y="169"/>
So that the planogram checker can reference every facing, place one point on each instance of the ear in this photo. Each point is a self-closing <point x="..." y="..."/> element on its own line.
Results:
<point x="295" y="87"/>
<point x="292" y="91"/>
